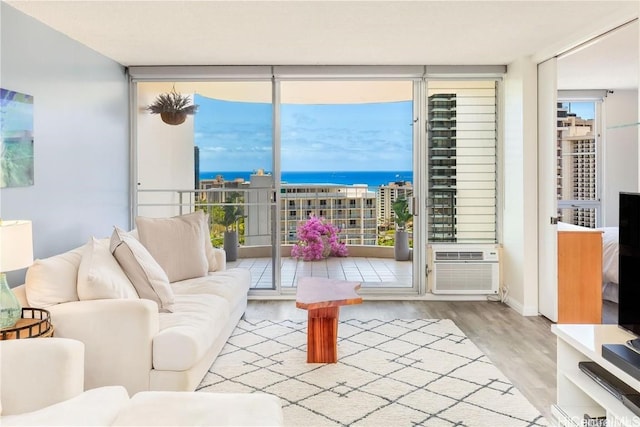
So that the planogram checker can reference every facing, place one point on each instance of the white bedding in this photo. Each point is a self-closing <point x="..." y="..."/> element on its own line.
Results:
<point x="609" y="254"/>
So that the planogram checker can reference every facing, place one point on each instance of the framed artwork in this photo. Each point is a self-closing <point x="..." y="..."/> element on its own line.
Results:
<point x="16" y="128"/>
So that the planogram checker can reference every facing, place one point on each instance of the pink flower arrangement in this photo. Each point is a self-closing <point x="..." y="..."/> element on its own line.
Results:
<point x="317" y="239"/>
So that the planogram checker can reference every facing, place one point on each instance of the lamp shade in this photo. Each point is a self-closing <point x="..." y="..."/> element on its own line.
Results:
<point x="16" y="245"/>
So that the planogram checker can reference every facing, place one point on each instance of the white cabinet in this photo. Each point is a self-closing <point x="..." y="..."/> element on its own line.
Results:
<point x="577" y="394"/>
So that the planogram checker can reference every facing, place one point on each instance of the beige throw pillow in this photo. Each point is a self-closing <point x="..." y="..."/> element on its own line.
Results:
<point x="146" y="275"/>
<point x="100" y="275"/>
<point x="177" y="244"/>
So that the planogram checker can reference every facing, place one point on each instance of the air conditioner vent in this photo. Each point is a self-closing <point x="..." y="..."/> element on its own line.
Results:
<point x="465" y="270"/>
<point x="459" y="256"/>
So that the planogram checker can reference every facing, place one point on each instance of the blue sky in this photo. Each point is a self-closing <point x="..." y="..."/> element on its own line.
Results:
<point x="585" y="110"/>
<point x="236" y="136"/>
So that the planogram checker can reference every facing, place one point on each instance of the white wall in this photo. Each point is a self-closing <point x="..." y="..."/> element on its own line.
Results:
<point x="619" y="151"/>
<point x="520" y="268"/>
<point x="167" y="151"/>
<point x="80" y="132"/>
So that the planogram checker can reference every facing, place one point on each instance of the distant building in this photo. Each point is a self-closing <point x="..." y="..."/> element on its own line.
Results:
<point x="576" y="166"/>
<point x="353" y="208"/>
<point x="387" y="194"/>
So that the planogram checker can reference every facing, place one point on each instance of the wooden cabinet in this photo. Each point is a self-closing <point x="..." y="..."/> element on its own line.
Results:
<point x="577" y="394"/>
<point x="580" y="277"/>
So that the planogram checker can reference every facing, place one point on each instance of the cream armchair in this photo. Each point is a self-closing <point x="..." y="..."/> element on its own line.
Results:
<point x="42" y="384"/>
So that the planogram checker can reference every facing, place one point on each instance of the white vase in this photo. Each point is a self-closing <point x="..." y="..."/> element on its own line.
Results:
<point x="10" y="310"/>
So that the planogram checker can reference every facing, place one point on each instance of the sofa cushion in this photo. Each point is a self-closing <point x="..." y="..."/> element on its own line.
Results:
<point x="149" y="279"/>
<point x="176" y="243"/>
<point x="232" y="284"/>
<point x="100" y="275"/>
<point x="189" y="332"/>
<point x="53" y="280"/>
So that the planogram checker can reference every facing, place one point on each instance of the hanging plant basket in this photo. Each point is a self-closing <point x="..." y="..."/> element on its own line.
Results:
<point x="173" y="107"/>
<point x="172" y="118"/>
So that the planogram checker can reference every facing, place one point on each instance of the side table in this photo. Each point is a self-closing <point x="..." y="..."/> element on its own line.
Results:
<point x="34" y="323"/>
<point x="322" y="298"/>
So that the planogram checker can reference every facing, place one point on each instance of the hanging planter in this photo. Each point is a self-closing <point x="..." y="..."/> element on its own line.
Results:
<point x="173" y="107"/>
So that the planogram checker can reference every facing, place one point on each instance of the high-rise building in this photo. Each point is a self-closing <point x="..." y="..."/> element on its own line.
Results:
<point x="576" y="166"/>
<point x="441" y="212"/>
<point x="352" y="208"/>
<point x="386" y="195"/>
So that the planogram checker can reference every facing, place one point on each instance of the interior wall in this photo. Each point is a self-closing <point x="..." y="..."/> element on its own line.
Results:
<point x="619" y="151"/>
<point x="167" y="151"/>
<point x="520" y="248"/>
<point x="81" y="136"/>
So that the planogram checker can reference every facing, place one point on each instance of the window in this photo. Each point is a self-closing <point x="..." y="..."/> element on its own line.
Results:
<point x="461" y="159"/>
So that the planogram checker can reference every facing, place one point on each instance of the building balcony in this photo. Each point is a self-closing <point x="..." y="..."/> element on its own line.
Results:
<point x="373" y="266"/>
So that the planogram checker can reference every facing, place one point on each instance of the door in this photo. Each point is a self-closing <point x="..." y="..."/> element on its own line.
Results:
<point x="547" y="191"/>
<point x="347" y="157"/>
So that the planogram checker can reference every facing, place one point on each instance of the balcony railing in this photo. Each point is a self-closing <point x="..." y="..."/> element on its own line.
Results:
<point x="258" y="211"/>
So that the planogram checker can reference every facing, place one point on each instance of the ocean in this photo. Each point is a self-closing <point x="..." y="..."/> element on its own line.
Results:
<point x="370" y="178"/>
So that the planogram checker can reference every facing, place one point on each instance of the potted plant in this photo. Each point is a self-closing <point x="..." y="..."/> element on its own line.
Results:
<point x="318" y="239"/>
<point x="402" y="216"/>
<point x="231" y="215"/>
<point x="173" y="107"/>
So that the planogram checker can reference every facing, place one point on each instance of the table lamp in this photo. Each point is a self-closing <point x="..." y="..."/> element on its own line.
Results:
<point x="16" y="252"/>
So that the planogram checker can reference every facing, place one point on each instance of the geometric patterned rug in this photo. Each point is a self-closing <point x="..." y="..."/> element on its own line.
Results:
<point x="420" y="372"/>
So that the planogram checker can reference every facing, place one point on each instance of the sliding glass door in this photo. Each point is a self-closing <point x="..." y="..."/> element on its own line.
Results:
<point x="346" y="157"/>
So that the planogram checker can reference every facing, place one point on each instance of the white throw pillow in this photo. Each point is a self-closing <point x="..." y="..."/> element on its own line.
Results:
<point x="100" y="275"/>
<point x="53" y="280"/>
<point x="146" y="275"/>
<point x="177" y="244"/>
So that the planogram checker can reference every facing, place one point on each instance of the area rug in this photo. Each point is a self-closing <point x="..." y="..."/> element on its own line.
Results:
<point x="420" y="372"/>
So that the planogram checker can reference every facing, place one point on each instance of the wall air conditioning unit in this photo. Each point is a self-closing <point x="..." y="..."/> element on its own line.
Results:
<point x="465" y="269"/>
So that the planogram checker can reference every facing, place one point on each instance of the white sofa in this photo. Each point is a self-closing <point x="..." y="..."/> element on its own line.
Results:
<point x="42" y="385"/>
<point x="131" y="341"/>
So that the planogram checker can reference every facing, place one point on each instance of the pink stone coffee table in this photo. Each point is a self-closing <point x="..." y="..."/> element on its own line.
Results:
<point x="322" y="298"/>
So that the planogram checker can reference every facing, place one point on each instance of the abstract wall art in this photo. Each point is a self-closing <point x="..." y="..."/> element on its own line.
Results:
<point x="16" y="129"/>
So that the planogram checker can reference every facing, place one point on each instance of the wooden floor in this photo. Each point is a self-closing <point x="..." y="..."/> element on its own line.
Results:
<point x="523" y="348"/>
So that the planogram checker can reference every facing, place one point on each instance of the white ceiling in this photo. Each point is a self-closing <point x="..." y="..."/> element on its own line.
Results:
<point x="337" y="32"/>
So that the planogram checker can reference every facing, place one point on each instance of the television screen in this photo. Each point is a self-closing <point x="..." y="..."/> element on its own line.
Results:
<point x="629" y="263"/>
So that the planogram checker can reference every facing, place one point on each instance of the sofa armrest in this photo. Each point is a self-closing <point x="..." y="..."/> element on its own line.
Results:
<point x="97" y="407"/>
<point x="221" y="259"/>
<point x="118" y="336"/>
<point x="55" y="373"/>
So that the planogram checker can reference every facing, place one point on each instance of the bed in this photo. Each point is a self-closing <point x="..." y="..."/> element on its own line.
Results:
<point x="609" y="258"/>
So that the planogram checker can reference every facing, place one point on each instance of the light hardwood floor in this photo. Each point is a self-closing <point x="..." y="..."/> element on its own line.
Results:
<point x="523" y="348"/>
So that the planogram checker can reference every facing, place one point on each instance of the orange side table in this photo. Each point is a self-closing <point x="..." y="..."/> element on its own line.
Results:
<point x="322" y="298"/>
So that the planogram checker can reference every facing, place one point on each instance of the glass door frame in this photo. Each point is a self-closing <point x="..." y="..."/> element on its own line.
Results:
<point x="418" y="285"/>
<point x="419" y="75"/>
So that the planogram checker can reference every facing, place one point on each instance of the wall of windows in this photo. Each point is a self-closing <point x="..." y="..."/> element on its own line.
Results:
<point x="343" y="147"/>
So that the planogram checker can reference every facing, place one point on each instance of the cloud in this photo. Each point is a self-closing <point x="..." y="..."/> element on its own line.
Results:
<point x="238" y="136"/>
